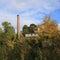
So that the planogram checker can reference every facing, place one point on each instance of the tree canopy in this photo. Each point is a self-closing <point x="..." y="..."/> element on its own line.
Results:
<point x="45" y="47"/>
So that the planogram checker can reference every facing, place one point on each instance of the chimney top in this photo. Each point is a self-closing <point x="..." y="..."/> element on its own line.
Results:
<point x="17" y="15"/>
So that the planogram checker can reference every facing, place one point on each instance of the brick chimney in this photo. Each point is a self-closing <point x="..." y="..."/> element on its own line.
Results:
<point x="18" y="27"/>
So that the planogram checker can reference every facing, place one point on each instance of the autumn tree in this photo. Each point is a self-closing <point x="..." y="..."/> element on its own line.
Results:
<point x="48" y="29"/>
<point x="49" y="35"/>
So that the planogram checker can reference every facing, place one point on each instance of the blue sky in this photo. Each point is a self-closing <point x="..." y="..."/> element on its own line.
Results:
<point x="30" y="11"/>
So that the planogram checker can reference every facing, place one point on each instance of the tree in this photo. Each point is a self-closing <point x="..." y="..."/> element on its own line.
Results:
<point x="49" y="29"/>
<point x="32" y="28"/>
<point x="25" y="29"/>
<point x="9" y="30"/>
<point x="49" y="35"/>
<point x="7" y="36"/>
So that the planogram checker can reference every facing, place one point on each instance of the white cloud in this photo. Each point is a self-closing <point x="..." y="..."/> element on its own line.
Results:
<point x="4" y="16"/>
<point x="58" y="26"/>
<point x="10" y="6"/>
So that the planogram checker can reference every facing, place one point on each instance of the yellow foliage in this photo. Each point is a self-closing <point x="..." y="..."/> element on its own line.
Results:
<point x="10" y="43"/>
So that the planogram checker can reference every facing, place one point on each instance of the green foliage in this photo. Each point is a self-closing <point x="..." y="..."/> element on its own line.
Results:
<point x="28" y="30"/>
<point x="32" y="28"/>
<point x="9" y="30"/>
<point x="44" y="47"/>
<point x="15" y="53"/>
<point x="25" y="29"/>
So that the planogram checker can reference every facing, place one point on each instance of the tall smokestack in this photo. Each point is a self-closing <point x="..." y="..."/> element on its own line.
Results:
<point x="18" y="27"/>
